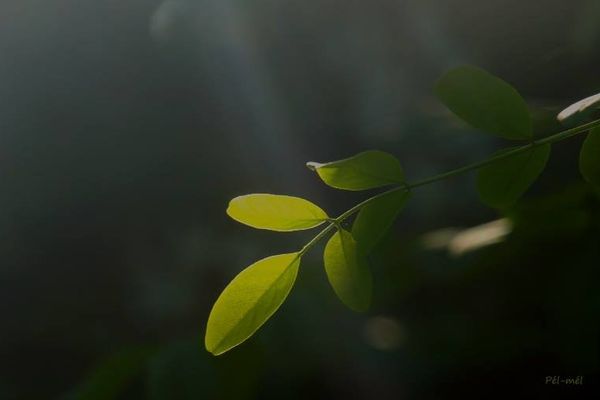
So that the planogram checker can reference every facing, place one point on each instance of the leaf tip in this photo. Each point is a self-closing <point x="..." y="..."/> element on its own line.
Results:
<point x="313" y="165"/>
<point x="209" y="344"/>
<point x="216" y="352"/>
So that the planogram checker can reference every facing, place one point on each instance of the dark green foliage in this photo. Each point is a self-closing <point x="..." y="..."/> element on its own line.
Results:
<point x="502" y="183"/>
<point x="485" y="102"/>
<point x="374" y="219"/>
<point x="589" y="158"/>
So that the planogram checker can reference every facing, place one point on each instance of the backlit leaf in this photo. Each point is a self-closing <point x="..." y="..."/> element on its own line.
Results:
<point x="589" y="158"/>
<point x="485" y="102"/>
<point x="249" y="301"/>
<point x="374" y="219"/>
<point x="276" y="212"/>
<point x="366" y="170"/>
<point x="347" y="271"/>
<point x="501" y="183"/>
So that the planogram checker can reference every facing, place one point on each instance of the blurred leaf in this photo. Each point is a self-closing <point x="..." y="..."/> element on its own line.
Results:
<point x="485" y="102"/>
<point x="501" y="183"/>
<point x="180" y="371"/>
<point x="276" y="212"/>
<point x="249" y="301"/>
<point x="571" y="210"/>
<point x="366" y="170"/>
<point x="579" y="107"/>
<point x="589" y="158"/>
<point x="373" y="220"/>
<point x="112" y="375"/>
<point x="348" y="271"/>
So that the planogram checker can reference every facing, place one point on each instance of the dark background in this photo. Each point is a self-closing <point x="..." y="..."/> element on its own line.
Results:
<point x="126" y="126"/>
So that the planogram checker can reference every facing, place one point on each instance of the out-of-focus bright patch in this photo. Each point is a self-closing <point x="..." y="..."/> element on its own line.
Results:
<point x="384" y="333"/>
<point x="460" y="241"/>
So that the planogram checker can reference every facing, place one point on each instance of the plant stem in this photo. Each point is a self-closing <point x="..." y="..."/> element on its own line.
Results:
<point x="316" y="239"/>
<point x="557" y="137"/>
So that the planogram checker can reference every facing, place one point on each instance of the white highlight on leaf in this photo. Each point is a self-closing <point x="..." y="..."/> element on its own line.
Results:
<point x="578" y="107"/>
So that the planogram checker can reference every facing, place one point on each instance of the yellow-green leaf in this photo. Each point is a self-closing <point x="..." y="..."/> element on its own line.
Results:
<point x="501" y="183"/>
<point x="366" y="170"/>
<point x="276" y="212"/>
<point x="485" y="102"/>
<point x="374" y="219"/>
<point x="347" y="271"/>
<point x="249" y="301"/>
<point x="589" y="158"/>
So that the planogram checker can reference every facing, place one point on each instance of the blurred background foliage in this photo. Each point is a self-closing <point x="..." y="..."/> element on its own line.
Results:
<point x="125" y="128"/>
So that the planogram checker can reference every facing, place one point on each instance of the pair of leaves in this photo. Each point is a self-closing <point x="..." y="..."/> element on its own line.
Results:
<point x="345" y="255"/>
<point x="492" y="105"/>
<point x="366" y="170"/>
<point x="254" y="295"/>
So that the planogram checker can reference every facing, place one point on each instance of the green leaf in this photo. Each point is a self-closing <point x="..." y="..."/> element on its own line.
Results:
<point x="501" y="183"/>
<point x="347" y="271"/>
<point x="249" y="301"/>
<point x="366" y="170"/>
<point x="276" y="212"/>
<point x="485" y="102"/>
<point x="589" y="158"/>
<point x="374" y="219"/>
<point x="579" y="107"/>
